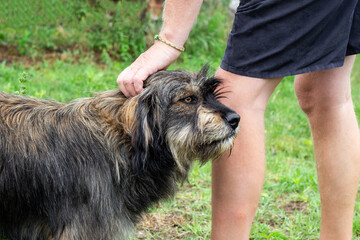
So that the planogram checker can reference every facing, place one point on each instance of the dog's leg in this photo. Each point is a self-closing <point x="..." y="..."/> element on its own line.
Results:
<point x="32" y="230"/>
<point x="72" y="232"/>
<point x="118" y="230"/>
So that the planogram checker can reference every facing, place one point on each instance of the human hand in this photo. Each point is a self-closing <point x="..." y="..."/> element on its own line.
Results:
<point x="157" y="57"/>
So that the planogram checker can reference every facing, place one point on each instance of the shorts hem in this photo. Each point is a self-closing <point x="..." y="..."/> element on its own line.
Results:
<point x="265" y="75"/>
<point x="353" y="52"/>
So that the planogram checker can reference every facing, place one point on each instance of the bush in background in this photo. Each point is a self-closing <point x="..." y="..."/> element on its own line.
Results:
<point x="120" y="30"/>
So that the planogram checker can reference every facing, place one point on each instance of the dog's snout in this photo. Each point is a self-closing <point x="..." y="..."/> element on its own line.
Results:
<point x="233" y="120"/>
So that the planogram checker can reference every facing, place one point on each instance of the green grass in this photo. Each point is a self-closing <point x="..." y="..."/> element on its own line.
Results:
<point x="289" y="206"/>
<point x="119" y="30"/>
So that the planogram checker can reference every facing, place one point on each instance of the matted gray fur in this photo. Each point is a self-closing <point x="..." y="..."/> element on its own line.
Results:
<point x="86" y="170"/>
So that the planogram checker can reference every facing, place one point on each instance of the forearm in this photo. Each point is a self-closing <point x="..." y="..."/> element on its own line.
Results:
<point x="178" y="18"/>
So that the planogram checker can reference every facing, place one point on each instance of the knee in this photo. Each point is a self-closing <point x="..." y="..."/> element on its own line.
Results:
<point x="313" y="98"/>
<point x="306" y="98"/>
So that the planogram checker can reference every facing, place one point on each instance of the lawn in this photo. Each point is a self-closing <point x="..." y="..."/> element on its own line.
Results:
<point x="289" y="207"/>
<point x="78" y="60"/>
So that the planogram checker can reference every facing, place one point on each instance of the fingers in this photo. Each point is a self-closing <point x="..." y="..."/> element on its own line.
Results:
<point x="157" y="57"/>
<point x="139" y="78"/>
<point x="130" y="81"/>
<point x="124" y="81"/>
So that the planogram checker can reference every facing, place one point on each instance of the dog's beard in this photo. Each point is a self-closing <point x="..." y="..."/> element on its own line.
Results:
<point x="188" y="144"/>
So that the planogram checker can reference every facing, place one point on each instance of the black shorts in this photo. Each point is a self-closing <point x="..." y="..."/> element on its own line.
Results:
<point x="277" y="38"/>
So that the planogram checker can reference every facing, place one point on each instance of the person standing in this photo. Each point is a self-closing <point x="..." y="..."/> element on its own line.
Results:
<point x="270" y="39"/>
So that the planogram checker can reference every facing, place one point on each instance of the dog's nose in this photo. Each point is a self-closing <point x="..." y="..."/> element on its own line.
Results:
<point x="233" y="120"/>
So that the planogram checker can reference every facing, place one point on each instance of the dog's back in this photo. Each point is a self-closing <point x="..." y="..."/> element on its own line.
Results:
<point x="55" y="169"/>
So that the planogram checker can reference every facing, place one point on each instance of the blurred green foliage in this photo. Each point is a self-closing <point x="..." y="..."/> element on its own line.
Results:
<point x="119" y="30"/>
<point x="59" y="25"/>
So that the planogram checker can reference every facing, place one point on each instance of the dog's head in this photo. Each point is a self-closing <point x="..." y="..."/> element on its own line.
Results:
<point x="179" y="112"/>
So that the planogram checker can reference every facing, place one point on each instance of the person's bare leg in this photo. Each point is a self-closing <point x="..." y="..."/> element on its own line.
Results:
<point x="325" y="97"/>
<point x="237" y="178"/>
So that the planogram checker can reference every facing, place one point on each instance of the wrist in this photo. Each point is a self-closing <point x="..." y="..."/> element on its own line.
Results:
<point x="178" y="48"/>
<point x="169" y="51"/>
<point x="176" y="38"/>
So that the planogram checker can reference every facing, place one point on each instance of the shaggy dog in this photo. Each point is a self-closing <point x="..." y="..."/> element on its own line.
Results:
<point x="86" y="170"/>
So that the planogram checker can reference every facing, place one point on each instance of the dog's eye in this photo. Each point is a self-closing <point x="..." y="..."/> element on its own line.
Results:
<point x="189" y="100"/>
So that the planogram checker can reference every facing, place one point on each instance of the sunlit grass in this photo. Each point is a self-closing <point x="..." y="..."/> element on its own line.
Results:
<point x="289" y="207"/>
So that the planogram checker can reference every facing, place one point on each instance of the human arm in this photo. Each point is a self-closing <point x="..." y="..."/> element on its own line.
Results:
<point x="178" y="18"/>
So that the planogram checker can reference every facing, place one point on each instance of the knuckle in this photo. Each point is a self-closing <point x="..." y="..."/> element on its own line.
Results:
<point x="119" y="81"/>
<point x="127" y="82"/>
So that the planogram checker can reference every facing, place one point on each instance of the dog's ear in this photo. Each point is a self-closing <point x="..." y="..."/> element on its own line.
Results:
<point x="203" y="73"/>
<point x="146" y="131"/>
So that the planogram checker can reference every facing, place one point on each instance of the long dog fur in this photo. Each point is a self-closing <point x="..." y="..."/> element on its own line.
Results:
<point x="89" y="168"/>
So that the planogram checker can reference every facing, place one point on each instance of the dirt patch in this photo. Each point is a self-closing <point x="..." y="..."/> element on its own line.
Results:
<point x="292" y="206"/>
<point x="173" y="223"/>
<point x="10" y="54"/>
<point x="271" y="222"/>
<point x="168" y="225"/>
